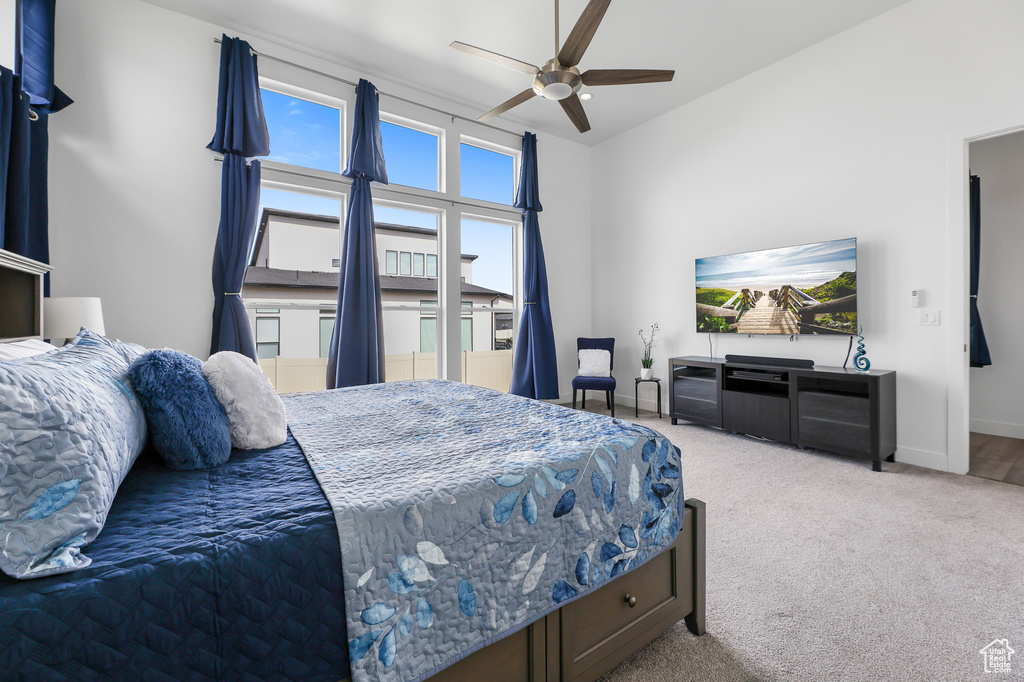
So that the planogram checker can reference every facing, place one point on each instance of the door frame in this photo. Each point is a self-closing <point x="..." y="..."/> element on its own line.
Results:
<point x="958" y="416"/>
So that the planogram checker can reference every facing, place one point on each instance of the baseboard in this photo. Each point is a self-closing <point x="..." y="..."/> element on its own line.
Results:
<point x="997" y="428"/>
<point x="922" y="458"/>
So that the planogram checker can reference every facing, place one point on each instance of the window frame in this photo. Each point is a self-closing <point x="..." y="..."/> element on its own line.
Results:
<point x="388" y="270"/>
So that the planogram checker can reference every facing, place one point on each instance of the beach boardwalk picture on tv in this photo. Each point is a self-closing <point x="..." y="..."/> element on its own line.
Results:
<point x="807" y="289"/>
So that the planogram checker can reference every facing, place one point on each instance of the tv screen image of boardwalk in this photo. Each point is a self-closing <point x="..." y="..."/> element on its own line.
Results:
<point x="807" y="289"/>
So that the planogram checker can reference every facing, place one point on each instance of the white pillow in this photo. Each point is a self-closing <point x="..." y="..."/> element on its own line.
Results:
<point x="255" y="411"/>
<point x="595" y="363"/>
<point x="24" y="349"/>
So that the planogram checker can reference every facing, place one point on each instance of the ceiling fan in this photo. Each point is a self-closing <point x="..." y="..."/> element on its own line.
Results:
<point x="559" y="79"/>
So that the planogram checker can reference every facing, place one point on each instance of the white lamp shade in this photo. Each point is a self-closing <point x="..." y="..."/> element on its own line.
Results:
<point x="64" y="317"/>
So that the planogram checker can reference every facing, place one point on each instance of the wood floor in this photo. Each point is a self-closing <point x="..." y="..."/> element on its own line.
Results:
<point x="998" y="458"/>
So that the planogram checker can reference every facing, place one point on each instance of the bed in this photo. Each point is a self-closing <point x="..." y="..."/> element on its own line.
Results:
<point x="240" y="572"/>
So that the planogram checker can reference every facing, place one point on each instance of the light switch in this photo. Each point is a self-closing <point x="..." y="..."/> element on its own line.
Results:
<point x="928" y="318"/>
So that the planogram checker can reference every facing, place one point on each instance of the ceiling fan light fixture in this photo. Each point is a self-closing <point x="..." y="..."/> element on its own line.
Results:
<point x="555" y="82"/>
<point x="556" y="91"/>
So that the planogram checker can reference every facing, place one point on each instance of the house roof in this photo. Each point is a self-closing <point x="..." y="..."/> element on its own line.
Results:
<point x="269" y="213"/>
<point x="256" y="276"/>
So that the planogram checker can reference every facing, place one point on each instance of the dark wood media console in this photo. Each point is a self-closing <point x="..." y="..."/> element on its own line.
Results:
<point x="826" y="408"/>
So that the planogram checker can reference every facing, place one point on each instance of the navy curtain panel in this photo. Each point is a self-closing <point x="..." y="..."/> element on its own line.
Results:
<point x="241" y="127"/>
<point x="240" y="198"/>
<point x="356" y="355"/>
<point x="15" y="153"/>
<point x="979" y="347"/>
<point x="35" y="42"/>
<point x="534" y="370"/>
<point x="241" y="133"/>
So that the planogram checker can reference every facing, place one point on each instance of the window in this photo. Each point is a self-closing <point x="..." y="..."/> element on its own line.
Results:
<point x="326" y="330"/>
<point x="467" y="326"/>
<point x="405" y="263"/>
<point x="411" y="156"/>
<point x="486" y="174"/>
<point x="270" y="311"/>
<point x="336" y="262"/>
<point x="302" y="133"/>
<point x="392" y="263"/>
<point x="298" y="231"/>
<point x="502" y="331"/>
<point x="431" y="265"/>
<point x="268" y="337"/>
<point x="417" y="264"/>
<point x="428" y="326"/>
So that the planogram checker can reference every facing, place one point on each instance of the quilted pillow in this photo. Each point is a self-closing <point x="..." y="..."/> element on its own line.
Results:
<point x="70" y="429"/>
<point x="255" y="411"/>
<point x="187" y="426"/>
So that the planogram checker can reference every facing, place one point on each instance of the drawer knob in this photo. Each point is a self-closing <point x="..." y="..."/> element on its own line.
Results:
<point x="631" y="600"/>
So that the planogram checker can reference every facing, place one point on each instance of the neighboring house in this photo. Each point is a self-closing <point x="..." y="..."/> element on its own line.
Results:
<point x="291" y="289"/>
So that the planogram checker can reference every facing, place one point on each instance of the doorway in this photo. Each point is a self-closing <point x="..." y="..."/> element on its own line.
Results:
<point x="996" y="391"/>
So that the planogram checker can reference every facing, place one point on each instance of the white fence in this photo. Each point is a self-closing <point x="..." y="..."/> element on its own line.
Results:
<point x="490" y="369"/>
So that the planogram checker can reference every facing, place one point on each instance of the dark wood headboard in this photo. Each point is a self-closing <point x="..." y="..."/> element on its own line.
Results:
<point x="21" y="297"/>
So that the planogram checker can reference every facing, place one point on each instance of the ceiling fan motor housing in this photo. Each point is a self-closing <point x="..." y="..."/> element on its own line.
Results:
<point x="557" y="82"/>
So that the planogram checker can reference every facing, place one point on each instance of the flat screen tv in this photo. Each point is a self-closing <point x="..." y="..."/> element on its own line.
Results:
<point x="807" y="289"/>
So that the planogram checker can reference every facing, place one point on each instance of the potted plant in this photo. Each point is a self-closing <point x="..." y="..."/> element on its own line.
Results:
<point x="647" y="362"/>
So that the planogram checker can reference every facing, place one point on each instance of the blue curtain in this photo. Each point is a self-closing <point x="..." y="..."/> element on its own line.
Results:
<point x="240" y="198"/>
<point x="979" y="347"/>
<point x="534" y="370"/>
<point x="24" y="143"/>
<point x="241" y="133"/>
<point x="356" y="356"/>
<point x="35" y="42"/>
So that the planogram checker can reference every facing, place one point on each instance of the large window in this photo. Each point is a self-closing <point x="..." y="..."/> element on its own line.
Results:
<point x="445" y="237"/>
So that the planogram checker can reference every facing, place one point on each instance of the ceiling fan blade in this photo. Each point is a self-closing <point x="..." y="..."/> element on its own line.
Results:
<point x="582" y="33"/>
<point x="505" y="106"/>
<point x="625" y="76"/>
<point x="507" y="62"/>
<point x="574" y="109"/>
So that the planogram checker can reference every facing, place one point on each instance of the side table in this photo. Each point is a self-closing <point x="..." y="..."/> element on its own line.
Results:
<point x="636" y="393"/>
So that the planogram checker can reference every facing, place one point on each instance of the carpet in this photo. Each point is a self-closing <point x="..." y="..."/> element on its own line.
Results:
<point x="819" y="568"/>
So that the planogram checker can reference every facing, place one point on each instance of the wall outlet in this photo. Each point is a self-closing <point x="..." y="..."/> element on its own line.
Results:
<point x="928" y="318"/>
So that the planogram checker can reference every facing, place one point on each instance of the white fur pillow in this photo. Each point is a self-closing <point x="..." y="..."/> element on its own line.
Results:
<point x="255" y="411"/>
<point x="595" y="363"/>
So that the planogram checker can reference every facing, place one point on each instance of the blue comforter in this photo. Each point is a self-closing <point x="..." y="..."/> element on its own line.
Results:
<point x="228" y="573"/>
<point x="465" y="514"/>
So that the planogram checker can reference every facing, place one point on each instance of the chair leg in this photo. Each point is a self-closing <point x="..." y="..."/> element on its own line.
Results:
<point x="574" y="398"/>
<point x="608" y="398"/>
<point x="611" y="402"/>
<point x="583" y="404"/>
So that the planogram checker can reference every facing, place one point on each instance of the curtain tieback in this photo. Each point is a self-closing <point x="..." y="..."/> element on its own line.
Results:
<point x="974" y="296"/>
<point x="530" y="303"/>
<point x="236" y="293"/>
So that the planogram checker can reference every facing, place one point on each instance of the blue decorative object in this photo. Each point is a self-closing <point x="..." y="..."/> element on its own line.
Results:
<point x="535" y="368"/>
<point x="356" y="355"/>
<point x="860" y="358"/>
<point x="70" y="429"/>
<point x="241" y="133"/>
<point x="187" y="426"/>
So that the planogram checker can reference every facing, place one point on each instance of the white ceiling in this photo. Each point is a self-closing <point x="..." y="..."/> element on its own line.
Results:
<point x="709" y="43"/>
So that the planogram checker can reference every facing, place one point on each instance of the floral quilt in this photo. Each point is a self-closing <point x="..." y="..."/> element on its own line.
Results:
<point x="465" y="514"/>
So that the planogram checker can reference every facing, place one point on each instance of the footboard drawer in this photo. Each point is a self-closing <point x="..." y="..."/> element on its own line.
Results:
<point x="601" y="630"/>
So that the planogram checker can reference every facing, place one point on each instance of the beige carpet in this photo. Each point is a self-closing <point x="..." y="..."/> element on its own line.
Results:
<point x="820" y="569"/>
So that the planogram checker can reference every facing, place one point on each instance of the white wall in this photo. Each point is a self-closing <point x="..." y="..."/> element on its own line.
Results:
<point x="996" y="405"/>
<point x="135" y="195"/>
<point x="847" y="138"/>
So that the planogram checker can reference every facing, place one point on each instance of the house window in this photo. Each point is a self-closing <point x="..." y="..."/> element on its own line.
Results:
<point x="486" y="174"/>
<point x="335" y="262"/>
<point x="326" y="330"/>
<point x="391" y="259"/>
<point x="304" y="133"/>
<point x="431" y="265"/>
<point x="428" y="326"/>
<point x="417" y="264"/>
<point x="405" y="263"/>
<point x="467" y="325"/>
<point x="411" y="155"/>
<point x="502" y="331"/>
<point x="268" y="337"/>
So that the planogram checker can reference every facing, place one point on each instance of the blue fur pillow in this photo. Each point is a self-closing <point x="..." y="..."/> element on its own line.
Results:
<point x="187" y="426"/>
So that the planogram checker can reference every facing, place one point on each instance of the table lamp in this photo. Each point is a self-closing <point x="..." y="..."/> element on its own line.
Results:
<point x="64" y="317"/>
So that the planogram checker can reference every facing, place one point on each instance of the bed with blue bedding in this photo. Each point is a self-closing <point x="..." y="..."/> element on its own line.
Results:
<point x="401" y="528"/>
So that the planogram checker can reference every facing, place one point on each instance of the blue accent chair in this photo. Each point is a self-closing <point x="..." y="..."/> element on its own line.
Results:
<point x="606" y="384"/>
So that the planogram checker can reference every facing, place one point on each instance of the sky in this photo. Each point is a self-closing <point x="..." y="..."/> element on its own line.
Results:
<point x="802" y="266"/>
<point x="308" y="134"/>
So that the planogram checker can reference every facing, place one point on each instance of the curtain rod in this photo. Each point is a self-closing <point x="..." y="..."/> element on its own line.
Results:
<point x="379" y="92"/>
